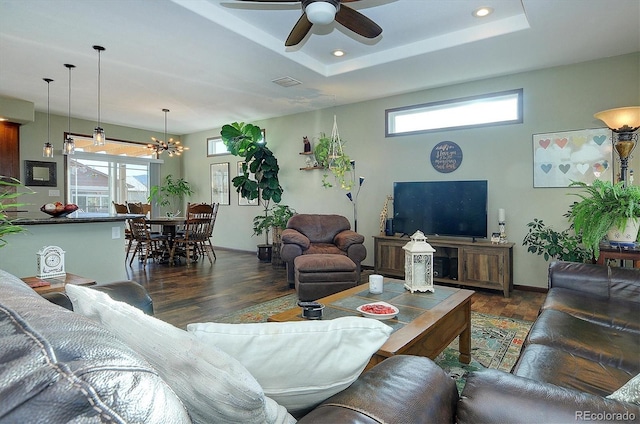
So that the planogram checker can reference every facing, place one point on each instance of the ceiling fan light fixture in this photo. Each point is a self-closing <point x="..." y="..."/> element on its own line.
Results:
<point x="320" y="12"/>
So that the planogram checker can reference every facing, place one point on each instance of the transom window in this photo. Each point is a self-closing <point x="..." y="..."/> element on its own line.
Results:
<point x="488" y="109"/>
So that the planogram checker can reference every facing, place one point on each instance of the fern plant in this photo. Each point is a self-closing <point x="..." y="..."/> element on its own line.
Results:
<point x="603" y="205"/>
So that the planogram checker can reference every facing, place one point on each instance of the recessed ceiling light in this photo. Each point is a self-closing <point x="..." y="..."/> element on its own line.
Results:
<point x="481" y="12"/>
<point x="338" y="53"/>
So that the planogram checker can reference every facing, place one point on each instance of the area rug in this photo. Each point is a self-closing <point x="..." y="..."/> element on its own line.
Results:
<point x="495" y="341"/>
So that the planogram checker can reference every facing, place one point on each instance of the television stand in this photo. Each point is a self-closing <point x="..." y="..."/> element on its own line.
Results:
<point x="471" y="263"/>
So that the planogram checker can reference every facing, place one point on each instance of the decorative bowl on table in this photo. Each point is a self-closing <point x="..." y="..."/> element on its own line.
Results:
<point x="58" y="210"/>
<point x="378" y="310"/>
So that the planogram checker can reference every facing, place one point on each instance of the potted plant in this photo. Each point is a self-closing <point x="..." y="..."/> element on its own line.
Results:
<point x="171" y="193"/>
<point x="275" y="219"/>
<point x="606" y="209"/>
<point x="564" y="245"/>
<point x="247" y="142"/>
<point x="334" y="160"/>
<point x="8" y="193"/>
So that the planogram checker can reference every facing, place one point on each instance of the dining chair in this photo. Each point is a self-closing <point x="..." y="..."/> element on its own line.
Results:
<point x="122" y="208"/>
<point x="135" y="207"/>
<point x="147" y="245"/>
<point x="214" y="214"/>
<point x="205" y="211"/>
<point x="194" y="238"/>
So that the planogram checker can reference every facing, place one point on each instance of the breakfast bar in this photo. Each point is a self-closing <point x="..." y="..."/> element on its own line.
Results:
<point x="93" y="243"/>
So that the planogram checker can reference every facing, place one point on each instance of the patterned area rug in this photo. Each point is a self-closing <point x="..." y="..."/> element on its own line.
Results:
<point x="495" y="341"/>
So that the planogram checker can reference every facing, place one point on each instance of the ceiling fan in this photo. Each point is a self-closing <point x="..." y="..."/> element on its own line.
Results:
<point x="323" y="12"/>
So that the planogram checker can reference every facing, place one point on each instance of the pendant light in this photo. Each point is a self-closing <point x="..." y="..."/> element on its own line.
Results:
<point x="98" y="133"/>
<point x="69" y="146"/>
<point x="169" y="145"/>
<point x="47" y="150"/>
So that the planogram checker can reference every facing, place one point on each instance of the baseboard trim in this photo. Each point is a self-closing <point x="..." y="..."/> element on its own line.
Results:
<point x="531" y="288"/>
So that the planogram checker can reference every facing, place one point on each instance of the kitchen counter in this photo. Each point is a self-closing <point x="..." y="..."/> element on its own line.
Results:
<point x="74" y="218"/>
<point x="94" y="244"/>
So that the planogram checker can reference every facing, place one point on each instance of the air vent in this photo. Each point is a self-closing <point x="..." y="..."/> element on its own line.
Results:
<point x="286" y="81"/>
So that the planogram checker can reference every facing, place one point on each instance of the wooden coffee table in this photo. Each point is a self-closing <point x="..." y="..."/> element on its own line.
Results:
<point x="56" y="284"/>
<point x="426" y="324"/>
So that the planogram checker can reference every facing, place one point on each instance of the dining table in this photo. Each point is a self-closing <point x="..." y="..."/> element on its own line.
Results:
<point x="170" y="227"/>
<point x="169" y="224"/>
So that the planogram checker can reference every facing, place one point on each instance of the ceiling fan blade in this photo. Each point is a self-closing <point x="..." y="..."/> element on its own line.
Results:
<point x="299" y="31"/>
<point x="278" y="1"/>
<point x="357" y="22"/>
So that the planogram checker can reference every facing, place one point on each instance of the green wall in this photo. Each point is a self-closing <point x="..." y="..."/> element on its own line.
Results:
<point x="34" y="134"/>
<point x="555" y="99"/>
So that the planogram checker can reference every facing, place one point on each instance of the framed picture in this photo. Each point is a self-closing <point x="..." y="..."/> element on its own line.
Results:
<point x="241" y="200"/>
<point x="38" y="173"/>
<point x="560" y="158"/>
<point x="220" y="183"/>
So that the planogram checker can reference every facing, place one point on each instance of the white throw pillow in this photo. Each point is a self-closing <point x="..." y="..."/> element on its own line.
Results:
<point x="299" y="364"/>
<point x="630" y="392"/>
<point x="214" y="387"/>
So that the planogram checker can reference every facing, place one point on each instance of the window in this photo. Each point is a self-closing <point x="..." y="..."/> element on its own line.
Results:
<point x="488" y="109"/>
<point x="95" y="180"/>
<point x="215" y="146"/>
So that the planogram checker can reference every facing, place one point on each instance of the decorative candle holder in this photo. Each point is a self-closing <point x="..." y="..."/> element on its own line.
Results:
<point x="502" y="225"/>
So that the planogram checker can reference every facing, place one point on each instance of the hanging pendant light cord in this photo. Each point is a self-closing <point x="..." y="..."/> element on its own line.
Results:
<point x="98" y="86"/>
<point x="69" y="114"/>
<point x="48" y="80"/>
<point x="166" y="140"/>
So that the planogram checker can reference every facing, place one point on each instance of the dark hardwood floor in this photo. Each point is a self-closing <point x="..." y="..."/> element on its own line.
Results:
<point x="202" y="292"/>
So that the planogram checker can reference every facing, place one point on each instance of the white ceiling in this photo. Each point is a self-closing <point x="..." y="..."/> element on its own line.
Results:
<point x="213" y="61"/>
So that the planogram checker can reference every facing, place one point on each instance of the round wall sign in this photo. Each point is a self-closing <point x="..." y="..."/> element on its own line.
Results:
<point x="446" y="156"/>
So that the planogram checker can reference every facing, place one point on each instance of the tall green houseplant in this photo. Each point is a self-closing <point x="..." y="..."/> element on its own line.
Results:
<point x="603" y="205"/>
<point x="247" y="142"/>
<point x="171" y="193"/>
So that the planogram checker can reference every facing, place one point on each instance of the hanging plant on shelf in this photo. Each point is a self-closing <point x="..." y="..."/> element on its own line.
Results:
<point x="330" y="155"/>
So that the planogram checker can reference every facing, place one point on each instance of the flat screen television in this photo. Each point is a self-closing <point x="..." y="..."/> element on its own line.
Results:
<point x="444" y="208"/>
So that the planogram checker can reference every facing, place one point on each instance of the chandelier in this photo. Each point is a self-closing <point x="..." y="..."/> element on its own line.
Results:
<point x="170" y="146"/>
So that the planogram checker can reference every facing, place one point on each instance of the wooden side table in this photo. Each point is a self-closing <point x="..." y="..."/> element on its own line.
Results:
<point x="56" y="284"/>
<point x="609" y="252"/>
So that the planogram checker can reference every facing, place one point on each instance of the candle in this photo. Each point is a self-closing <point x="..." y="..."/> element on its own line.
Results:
<point x="501" y="215"/>
<point x="375" y="284"/>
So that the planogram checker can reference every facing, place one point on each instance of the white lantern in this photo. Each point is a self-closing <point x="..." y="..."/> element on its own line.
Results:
<point x="418" y="264"/>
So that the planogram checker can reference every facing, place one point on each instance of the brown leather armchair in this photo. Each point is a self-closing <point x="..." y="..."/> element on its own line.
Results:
<point x="308" y="234"/>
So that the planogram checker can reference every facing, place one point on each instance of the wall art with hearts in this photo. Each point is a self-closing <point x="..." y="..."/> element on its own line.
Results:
<point x="563" y="157"/>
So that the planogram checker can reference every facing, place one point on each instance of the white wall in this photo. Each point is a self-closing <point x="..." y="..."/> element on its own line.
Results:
<point x="555" y="99"/>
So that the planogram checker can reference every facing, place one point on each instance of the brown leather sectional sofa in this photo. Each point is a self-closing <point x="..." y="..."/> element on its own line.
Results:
<point x="584" y="345"/>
